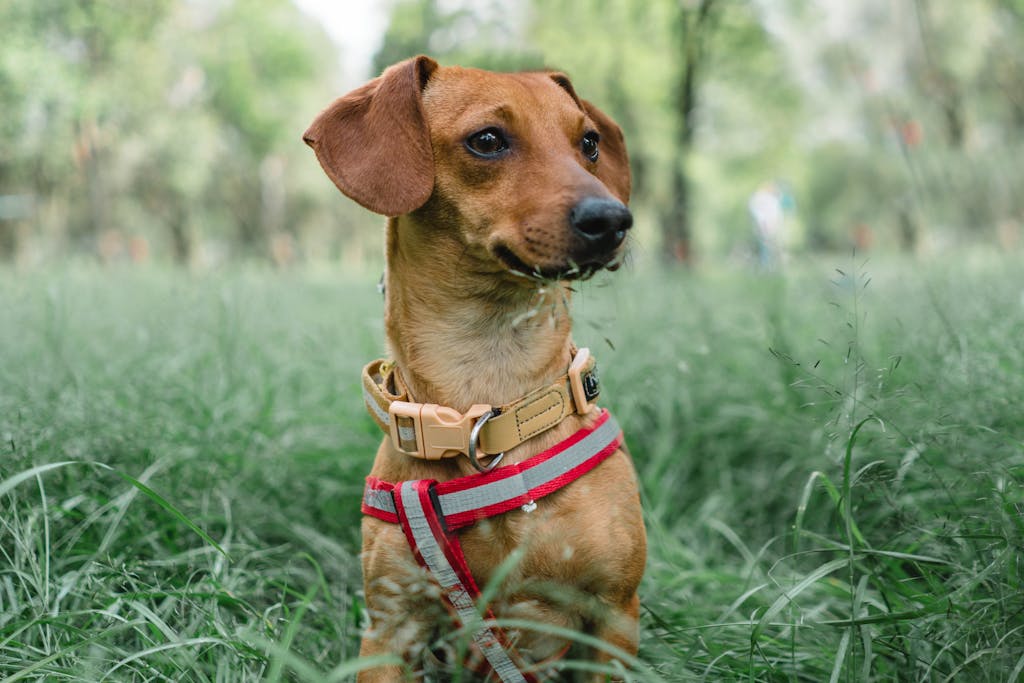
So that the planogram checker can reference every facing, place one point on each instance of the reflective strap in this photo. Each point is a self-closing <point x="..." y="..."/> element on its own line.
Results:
<point x="377" y="399"/>
<point x="463" y="502"/>
<point x="442" y="555"/>
<point x="378" y="413"/>
<point x="467" y="499"/>
<point x="406" y="434"/>
<point x="379" y="500"/>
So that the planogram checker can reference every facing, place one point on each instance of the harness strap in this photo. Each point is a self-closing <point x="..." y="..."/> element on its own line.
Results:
<point x="432" y="432"/>
<point x="467" y="499"/>
<point x="430" y="513"/>
<point x="440" y="552"/>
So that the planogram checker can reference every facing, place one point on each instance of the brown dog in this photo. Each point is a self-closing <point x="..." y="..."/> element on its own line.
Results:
<point x="500" y="189"/>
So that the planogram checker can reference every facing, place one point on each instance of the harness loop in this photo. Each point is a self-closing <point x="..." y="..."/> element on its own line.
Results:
<point x="474" y="437"/>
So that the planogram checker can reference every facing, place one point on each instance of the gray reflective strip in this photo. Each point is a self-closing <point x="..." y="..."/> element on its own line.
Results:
<point x="379" y="499"/>
<point x="407" y="434"/>
<point x="433" y="556"/>
<point x="518" y="485"/>
<point x="404" y="433"/>
<point x="381" y="414"/>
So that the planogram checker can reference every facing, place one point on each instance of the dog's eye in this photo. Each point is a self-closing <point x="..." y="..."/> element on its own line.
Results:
<point x="488" y="143"/>
<point x="589" y="145"/>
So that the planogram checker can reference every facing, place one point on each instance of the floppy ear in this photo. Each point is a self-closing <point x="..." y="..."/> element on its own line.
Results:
<point x="374" y="142"/>
<point x="613" y="162"/>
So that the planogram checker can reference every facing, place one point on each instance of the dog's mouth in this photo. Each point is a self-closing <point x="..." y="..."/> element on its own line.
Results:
<point x="569" y="271"/>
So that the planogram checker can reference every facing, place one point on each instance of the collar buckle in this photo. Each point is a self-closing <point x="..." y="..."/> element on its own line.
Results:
<point x="431" y="431"/>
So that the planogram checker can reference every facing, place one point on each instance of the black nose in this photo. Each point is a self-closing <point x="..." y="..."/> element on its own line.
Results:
<point x="598" y="219"/>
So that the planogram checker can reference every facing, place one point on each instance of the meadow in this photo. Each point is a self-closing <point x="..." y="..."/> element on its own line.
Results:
<point x="831" y="460"/>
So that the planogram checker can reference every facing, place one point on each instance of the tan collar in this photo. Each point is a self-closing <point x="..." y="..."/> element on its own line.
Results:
<point x="432" y="432"/>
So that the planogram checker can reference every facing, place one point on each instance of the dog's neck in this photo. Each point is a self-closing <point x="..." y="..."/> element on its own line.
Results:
<point x="461" y="336"/>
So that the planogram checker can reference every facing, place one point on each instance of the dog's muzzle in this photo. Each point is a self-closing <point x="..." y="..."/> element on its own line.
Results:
<point x="600" y="225"/>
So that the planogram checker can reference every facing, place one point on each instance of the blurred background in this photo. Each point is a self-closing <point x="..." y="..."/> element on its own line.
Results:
<point x="168" y="131"/>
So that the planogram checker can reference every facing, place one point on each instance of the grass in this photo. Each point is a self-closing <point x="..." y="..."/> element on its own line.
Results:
<point x="832" y="466"/>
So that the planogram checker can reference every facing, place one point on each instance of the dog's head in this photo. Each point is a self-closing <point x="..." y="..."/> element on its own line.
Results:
<point x="533" y="179"/>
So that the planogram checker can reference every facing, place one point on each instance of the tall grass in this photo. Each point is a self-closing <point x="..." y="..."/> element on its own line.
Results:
<point x="831" y="464"/>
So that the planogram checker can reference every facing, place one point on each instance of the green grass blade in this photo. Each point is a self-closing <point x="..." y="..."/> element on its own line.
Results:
<point x="191" y="642"/>
<point x="277" y="662"/>
<point x="837" y="667"/>
<point x="788" y="596"/>
<point x="354" y="666"/>
<point x="9" y="483"/>
<point x="168" y="506"/>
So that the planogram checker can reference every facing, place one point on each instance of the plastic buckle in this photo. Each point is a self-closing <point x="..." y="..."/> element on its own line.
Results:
<point x="439" y="431"/>
<point x="583" y="381"/>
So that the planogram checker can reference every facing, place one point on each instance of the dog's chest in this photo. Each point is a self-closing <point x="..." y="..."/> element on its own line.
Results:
<point x="583" y="536"/>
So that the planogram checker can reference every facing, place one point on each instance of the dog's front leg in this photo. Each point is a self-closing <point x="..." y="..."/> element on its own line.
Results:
<point x="404" y="603"/>
<point x="622" y="631"/>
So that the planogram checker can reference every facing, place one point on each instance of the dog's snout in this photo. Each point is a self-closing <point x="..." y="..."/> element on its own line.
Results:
<point x="600" y="219"/>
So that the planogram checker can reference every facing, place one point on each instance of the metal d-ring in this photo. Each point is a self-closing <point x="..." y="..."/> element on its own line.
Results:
<point x="474" y="436"/>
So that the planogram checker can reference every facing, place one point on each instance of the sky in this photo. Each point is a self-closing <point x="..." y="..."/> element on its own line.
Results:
<point x="356" y="26"/>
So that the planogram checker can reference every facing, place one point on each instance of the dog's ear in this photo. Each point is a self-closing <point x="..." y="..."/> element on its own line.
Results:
<point x="374" y="142"/>
<point x="613" y="162"/>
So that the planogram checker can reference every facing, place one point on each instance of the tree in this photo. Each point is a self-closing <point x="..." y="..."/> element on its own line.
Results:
<point x="927" y="106"/>
<point x="486" y="37"/>
<point x="72" y="87"/>
<point x="692" y="30"/>
<point x="147" y="123"/>
<point x="259" y="62"/>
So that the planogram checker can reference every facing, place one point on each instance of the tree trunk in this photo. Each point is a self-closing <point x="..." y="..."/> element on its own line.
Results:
<point x="675" y="219"/>
<point x="8" y="240"/>
<point x="246" y="202"/>
<point x="940" y="80"/>
<point x="181" y="240"/>
<point x="90" y="154"/>
<point x="691" y="33"/>
<point x="908" y="230"/>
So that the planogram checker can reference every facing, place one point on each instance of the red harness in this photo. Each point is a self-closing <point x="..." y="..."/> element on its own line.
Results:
<point x="431" y="512"/>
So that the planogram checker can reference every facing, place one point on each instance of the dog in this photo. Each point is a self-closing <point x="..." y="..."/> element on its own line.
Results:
<point x="501" y="190"/>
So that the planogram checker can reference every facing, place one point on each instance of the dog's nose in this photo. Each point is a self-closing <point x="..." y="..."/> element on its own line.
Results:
<point x="598" y="219"/>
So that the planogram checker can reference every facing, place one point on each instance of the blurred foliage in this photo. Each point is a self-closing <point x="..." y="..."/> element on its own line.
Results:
<point x="173" y="127"/>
